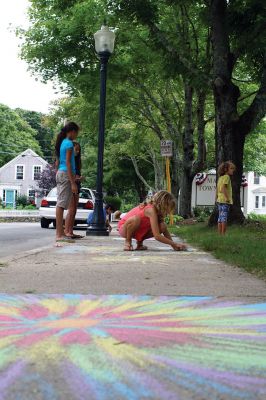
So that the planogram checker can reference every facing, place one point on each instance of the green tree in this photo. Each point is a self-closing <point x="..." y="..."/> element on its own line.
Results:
<point x="239" y="40"/>
<point x="132" y="76"/>
<point x="168" y="45"/>
<point x="44" y="134"/>
<point x="238" y="52"/>
<point x="16" y="135"/>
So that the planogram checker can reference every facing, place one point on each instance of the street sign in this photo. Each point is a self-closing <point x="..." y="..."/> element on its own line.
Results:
<point x="166" y="148"/>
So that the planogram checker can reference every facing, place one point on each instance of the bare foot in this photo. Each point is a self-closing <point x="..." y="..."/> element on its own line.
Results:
<point x="64" y="239"/>
<point x="128" y="247"/>
<point x="140" y="247"/>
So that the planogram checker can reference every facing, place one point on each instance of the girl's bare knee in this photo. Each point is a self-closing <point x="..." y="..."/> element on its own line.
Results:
<point x="133" y="221"/>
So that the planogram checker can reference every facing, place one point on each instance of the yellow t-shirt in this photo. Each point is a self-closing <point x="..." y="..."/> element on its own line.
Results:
<point x="224" y="180"/>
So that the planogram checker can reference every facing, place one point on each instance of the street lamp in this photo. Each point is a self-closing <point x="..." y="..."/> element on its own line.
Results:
<point x="104" y="45"/>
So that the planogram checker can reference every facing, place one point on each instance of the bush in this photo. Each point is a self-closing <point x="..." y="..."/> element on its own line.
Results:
<point x="127" y="207"/>
<point x="176" y="219"/>
<point x="22" y="201"/>
<point x="114" y="201"/>
<point x="202" y="213"/>
<point x="256" y="217"/>
<point x="30" y="207"/>
<point x="199" y="211"/>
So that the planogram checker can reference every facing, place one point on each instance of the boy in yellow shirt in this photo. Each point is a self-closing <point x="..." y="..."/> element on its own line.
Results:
<point x="224" y="194"/>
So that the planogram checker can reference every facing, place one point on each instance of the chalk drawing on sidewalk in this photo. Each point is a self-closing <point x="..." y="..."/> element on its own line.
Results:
<point x="126" y="347"/>
<point x="126" y="259"/>
<point x="117" y="252"/>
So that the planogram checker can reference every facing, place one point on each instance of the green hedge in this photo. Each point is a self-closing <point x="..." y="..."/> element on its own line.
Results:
<point x="114" y="201"/>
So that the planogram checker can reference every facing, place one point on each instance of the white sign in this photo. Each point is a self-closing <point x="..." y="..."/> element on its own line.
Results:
<point x="206" y="192"/>
<point x="167" y="148"/>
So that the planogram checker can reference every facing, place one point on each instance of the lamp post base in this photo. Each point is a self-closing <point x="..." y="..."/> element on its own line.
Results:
<point x="96" y="231"/>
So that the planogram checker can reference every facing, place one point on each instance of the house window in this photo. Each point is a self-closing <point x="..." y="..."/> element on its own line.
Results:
<point x="263" y="201"/>
<point x="256" y="178"/>
<point x="31" y="193"/>
<point x="37" y="169"/>
<point x="4" y="196"/>
<point x="20" y="172"/>
<point x="257" y="201"/>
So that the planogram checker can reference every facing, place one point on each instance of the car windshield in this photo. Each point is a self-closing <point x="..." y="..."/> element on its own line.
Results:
<point x="85" y="194"/>
<point x="53" y="193"/>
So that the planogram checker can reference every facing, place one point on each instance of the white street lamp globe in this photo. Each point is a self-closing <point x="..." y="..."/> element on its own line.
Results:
<point x="104" y="40"/>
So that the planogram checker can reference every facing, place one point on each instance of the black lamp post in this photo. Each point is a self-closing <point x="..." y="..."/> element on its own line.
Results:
<point x="104" y="45"/>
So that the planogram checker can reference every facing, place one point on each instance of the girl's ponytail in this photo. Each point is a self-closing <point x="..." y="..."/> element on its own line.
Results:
<point x="71" y="126"/>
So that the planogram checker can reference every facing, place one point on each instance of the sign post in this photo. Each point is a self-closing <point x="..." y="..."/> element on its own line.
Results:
<point x="167" y="152"/>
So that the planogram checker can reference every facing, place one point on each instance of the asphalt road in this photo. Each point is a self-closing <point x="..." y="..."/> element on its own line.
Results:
<point x="22" y="236"/>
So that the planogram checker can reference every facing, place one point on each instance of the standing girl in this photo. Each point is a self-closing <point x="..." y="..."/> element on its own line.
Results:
<point x="224" y="196"/>
<point x="72" y="209"/>
<point x="147" y="221"/>
<point x="65" y="177"/>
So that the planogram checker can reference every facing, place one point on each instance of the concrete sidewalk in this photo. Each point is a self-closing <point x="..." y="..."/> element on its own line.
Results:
<point x="208" y="342"/>
<point x="100" y="266"/>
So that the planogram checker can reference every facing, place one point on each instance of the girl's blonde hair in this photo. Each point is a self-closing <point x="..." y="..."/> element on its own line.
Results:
<point x="224" y="167"/>
<point x="164" y="202"/>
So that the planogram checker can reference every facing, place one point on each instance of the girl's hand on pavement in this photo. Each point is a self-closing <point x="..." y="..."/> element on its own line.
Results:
<point x="179" y="247"/>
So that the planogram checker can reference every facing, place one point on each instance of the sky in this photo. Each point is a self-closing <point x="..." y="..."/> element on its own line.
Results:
<point x="17" y="87"/>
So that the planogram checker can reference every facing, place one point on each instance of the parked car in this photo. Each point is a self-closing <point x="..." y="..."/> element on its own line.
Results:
<point x="48" y="207"/>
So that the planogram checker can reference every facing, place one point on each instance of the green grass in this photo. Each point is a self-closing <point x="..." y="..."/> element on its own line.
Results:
<point x="244" y="246"/>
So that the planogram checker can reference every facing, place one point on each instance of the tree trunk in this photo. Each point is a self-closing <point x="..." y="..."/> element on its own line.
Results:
<point x="188" y="156"/>
<point x="175" y="178"/>
<point x="229" y="141"/>
<point x="141" y="190"/>
<point x="139" y="175"/>
<point x="185" y="195"/>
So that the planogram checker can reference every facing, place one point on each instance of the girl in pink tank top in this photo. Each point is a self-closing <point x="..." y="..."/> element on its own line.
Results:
<point x="146" y="221"/>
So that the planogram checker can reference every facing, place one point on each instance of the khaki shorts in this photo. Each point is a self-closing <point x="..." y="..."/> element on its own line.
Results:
<point x="64" y="192"/>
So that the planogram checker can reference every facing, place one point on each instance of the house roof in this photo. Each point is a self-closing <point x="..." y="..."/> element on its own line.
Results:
<point x="25" y="153"/>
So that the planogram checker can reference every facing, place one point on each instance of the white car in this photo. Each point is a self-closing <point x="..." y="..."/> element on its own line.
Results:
<point x="48" y="207"/>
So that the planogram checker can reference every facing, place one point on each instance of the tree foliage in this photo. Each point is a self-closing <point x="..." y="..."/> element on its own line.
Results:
<point x="44" y="135"/>
<point x="160" y="82"/>
<point x="47" y="179"/>
<point x="16" y="135"/>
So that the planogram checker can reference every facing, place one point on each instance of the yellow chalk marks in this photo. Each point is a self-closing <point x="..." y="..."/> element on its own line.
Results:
<point x="10" y="311"/>
<point x="199" y="330"/>
<point x="122" y="351"/>
<point x="56" y="306"/>
<point x="6" y="341"/>
<point x="69" y="323"/>
<point x="50" y="350"/>
<point x="128" y="306"/>
<point x="86" y="306"/>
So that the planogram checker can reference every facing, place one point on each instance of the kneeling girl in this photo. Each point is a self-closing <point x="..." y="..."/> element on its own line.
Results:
<point x="147" y="221"/>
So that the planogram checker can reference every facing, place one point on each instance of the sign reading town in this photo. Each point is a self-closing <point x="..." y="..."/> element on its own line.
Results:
<point x="166" y="148"/>
<point x="204" y="190"/>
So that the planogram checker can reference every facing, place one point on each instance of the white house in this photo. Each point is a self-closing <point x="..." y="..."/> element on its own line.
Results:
<point x="253" y="191"/>
<point x="19" y="176"/>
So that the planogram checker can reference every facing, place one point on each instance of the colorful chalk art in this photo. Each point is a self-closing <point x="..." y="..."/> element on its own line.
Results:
<point x="126" y="347"/>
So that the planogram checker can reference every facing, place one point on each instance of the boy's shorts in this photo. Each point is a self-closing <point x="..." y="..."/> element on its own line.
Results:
<point x="223" y="212"/>
<point x="64" y="192"/>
